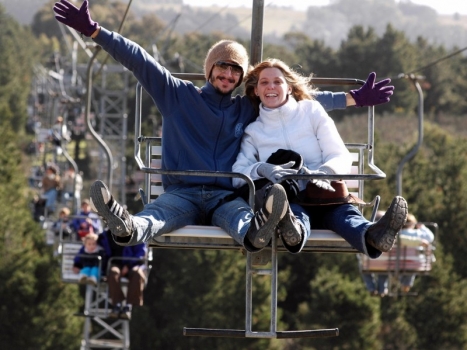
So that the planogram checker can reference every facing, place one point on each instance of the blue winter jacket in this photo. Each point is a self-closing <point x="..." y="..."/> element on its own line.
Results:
<point x="85" y="259"/>
<point x="131" y="255"/>
<point x="202" y="128"/>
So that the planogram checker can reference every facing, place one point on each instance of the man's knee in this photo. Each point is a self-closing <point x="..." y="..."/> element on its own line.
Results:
<point x="115" y="271"/>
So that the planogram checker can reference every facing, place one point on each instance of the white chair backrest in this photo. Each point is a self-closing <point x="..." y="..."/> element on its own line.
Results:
<point x="355" y="187"/>
<point x="69" y="251"/>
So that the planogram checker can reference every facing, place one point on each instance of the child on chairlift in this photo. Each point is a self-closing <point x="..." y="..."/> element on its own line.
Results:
<point x="86" y="262"/>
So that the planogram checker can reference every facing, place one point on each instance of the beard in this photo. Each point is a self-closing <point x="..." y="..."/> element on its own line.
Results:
<point x="221" y="78"/>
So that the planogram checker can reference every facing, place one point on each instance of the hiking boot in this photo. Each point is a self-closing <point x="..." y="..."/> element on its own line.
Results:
<point x="115" y="216"/>
<point x="382" y="234"/>
<point x="290" y="229"/>
<point x="264" y="222"/>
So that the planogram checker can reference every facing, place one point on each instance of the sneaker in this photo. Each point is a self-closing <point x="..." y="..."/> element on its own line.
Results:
<point x="92" y="281"/>
<point x="264" y="222"/>
<point x="83" y="279"/>
<point x="126" y="312"/>
<point x="289" y="229"/>
<point x="116" y="217"/>
<point x="115" y="313"/>
<point x="382" y="234"/>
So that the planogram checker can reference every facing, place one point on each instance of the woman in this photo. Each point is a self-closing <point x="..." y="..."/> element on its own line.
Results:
<point x="289" y="119"/>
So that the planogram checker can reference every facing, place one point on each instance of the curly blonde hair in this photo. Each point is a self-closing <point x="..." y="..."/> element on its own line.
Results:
<point x="90" y="237"/>
<point x="301" y="86"/>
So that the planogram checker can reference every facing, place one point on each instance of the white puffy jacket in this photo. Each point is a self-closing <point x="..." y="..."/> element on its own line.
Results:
<point x="303" y="127"/>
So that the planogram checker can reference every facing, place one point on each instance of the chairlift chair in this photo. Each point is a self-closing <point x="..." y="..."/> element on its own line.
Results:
<point x="114" y="334"/>
<point x="401" y="261"/>
<point x="210" y="237"/>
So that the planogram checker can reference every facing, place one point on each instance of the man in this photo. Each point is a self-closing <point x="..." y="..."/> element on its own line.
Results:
<point x="202" y="130"/>
<point x="127" y="262"/>
<point x="72" y="187"/>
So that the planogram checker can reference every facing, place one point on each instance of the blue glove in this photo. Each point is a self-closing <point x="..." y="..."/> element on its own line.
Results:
<point x="371" y="94"/>
<point x="78" y="19"/>
<point x="325" y="184"/>
<point x="274" y="173"/>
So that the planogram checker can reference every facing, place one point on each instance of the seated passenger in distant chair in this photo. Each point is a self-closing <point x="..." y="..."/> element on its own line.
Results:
<point x="417" y="235"/>
<point x="130" y="265"/>
<point x="86" y="262"/>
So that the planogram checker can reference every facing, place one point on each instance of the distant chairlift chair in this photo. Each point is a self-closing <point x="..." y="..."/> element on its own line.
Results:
<point x="113" y="334"/>
<point x="402" y="260"/>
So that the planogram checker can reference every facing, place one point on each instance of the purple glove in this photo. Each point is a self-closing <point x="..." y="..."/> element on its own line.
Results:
<point x="78" y="19"/>
<point x="371" y="94"/>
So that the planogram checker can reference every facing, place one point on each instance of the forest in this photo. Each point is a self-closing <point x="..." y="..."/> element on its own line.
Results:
<point x="198" y="288"/>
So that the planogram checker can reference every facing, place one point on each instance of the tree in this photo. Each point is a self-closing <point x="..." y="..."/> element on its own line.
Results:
<point x="36" y="305"/>
<point x="444" y="77"/>
<point x="313" y="56"/>
<point x="16" y="59"/>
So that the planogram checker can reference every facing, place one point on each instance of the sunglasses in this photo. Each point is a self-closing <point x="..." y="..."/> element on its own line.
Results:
<point x="224" y="66"/>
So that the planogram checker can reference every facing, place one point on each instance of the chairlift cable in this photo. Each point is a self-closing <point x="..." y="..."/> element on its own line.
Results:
<point x="432" y="63"/>
<point x="210" y="18"/>
<point x="226" y="30"/>
<point x="439" y="60"/>
<point x="171" y="25"/>
<point x="195" y="65"/>
<point x="119" y="30"/>
<point x="167" y="40"/>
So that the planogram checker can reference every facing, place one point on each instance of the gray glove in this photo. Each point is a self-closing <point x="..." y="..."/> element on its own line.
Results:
<point x="325" y="184"/>
<point x="274" y="173"/>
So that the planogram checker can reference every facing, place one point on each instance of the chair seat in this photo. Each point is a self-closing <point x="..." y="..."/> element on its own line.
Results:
<point x="192" y="236"/>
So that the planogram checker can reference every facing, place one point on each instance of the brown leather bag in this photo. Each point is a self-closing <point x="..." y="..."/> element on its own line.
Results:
<point x="314" y="195"/>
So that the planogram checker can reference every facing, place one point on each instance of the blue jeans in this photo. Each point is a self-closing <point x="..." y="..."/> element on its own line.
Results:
<point x="407" y="280"/>
<point x="50" y="199"/>
<point x="192" y="205"/>
<point x="344" y="219"/>
<point x="376" y="282"/>
<point x="90" y="271"/>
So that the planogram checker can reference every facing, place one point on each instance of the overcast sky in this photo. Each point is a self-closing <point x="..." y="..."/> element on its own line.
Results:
<point x="441" y="6"/>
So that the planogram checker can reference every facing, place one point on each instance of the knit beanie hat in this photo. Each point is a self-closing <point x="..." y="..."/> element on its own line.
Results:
<point x="226" y="50"/>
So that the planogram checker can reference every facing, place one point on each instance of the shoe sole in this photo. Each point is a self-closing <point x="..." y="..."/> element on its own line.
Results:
<point x="276" y="204"/>
<point x="288" y="231"/>
<point x="116" y="225"/>
<point x="398" y="210"/>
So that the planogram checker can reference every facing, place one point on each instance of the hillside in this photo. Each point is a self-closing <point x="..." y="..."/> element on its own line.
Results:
<point x="278" y="20"/>
<point x="328" y="23"/>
